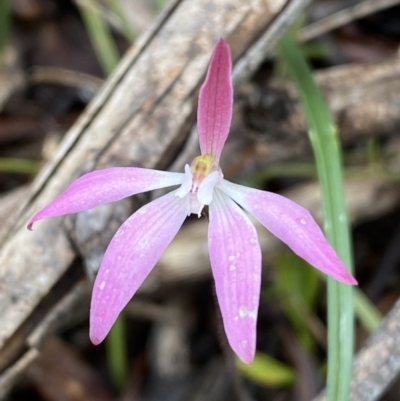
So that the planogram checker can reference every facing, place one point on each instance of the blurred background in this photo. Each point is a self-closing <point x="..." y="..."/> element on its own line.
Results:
<point x="54" y="58"/>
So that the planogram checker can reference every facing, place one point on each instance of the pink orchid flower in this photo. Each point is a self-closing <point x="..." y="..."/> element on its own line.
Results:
<point x="234" y="248"/>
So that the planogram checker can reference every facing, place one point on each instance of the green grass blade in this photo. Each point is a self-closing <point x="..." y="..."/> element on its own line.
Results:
<point x="5" y="16"/>
<point x="267" y="371"/>
<point x="297" y="287"/>
<point x="323" y="137"/>
<point x="18" y="166"/>
<point x="125" y="27"/>
<point x="367" y="314"/>
<point x="117" y="354"/>
<point x="100" y="35"/>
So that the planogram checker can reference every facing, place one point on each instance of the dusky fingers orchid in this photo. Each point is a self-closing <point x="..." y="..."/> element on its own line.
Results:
<point x="234" y="248"/>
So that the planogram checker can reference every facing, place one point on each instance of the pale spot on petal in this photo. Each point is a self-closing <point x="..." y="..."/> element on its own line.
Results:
<point x="243" y="311"/>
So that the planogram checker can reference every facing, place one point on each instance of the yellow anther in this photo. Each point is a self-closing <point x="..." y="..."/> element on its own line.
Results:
<point x="201" y="167"/>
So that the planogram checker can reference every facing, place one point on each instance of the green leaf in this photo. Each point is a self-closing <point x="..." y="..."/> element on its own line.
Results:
<point x="298" y="287"/>
<point x="267" y="371"/>
<point x="5" y="17"/>
<point x="18" y="166"/>
<point x="100" y="36"/>
<point x="324" y="140"/>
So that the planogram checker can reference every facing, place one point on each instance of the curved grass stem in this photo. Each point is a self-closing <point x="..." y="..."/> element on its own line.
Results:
<point x="324" y="140"/>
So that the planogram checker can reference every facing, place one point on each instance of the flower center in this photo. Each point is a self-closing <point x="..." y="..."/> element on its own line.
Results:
<point x="199" y="183"/>
<point x="201" y="167"/>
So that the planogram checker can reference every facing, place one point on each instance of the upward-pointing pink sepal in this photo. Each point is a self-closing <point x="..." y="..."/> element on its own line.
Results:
<point x="214" y="112"/>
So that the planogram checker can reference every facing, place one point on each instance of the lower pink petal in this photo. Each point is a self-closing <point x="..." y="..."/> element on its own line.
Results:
<point x="131" y="255"/>
<point x="236" y="263"/>
<point x="292" y="224"/>
<point x="103" y="186"/>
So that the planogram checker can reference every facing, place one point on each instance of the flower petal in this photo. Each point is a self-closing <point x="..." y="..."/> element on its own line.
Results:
<point x="292" y="224"/>
<point x="187" y="181"/>
<point x="214" y="112"/>
<point x="236" y="263"/>
<point x="206" y="188"/>
<point x="131" y="255"/>
<point x="103" y="186"/>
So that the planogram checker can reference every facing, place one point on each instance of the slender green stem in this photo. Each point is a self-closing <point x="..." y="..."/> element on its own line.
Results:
<point x="18" y="166"/>
<point x="100" y="35"/>
<point x="267" y="371"/>
<point x="367" y="314"/>
<point x="125" y="27"/>
<point x="158" y="5"/>
<point x="117" y="354"/>
<point x="327" y="152"/>
<point x="4" y="26"/>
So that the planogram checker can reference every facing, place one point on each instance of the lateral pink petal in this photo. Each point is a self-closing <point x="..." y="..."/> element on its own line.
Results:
<point x="131" y="255"/>
<point x="294" y="225"/>
<point x="214" y="112"/>
<point x="103" y="186"/>
<point x="236" y="264"/>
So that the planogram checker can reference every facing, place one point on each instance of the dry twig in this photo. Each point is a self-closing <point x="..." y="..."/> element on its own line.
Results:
<point x="342" y="17"/>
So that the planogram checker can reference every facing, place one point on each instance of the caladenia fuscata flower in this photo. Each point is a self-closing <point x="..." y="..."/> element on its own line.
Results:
<point x="234" y="248"/>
